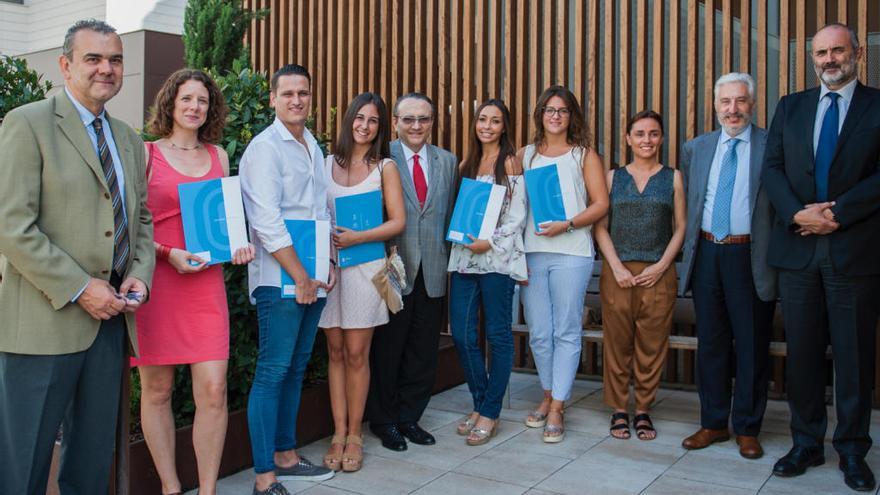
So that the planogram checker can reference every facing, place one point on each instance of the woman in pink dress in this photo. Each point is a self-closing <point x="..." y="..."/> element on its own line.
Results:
<point x="186" y="320"/>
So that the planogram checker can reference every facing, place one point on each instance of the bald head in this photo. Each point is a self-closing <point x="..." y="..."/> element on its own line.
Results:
<point x="836" y="53"/>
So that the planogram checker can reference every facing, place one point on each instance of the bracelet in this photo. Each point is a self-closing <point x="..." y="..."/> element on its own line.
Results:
<point x="163" y="251"/>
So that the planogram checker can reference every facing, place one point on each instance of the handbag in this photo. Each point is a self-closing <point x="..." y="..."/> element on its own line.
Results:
<point x="390" y="280"/>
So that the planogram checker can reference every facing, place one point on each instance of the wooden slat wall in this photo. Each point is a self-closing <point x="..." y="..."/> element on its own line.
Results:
<point x="461" y="52"/>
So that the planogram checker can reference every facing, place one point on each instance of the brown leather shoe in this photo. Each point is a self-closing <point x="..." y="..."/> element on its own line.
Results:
<point x="749" y="447"/>
<point x="705" y="437"/>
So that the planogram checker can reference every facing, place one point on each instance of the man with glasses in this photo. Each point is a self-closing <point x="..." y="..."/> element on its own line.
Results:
<point x="403" y="356"/>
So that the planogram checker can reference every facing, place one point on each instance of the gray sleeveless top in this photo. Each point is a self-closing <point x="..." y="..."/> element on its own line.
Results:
<point x="641" y="224"/>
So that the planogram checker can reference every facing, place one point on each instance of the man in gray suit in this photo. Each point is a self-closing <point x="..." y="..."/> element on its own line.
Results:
<point x="725" y="260"/>
<point x="403" y="356"/>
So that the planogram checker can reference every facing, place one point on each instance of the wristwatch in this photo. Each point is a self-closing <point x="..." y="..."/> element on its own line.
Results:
<point x="570" y="227"/>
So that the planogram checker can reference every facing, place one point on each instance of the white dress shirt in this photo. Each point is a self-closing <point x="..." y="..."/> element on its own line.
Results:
<point x="423" y="161"/>
<point x="846" y="96"/>
<point x="740" y="208"/>
<point x="280" y="180"/>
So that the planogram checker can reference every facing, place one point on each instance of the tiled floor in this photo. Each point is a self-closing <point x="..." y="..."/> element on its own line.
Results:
<point x="587" y="461"/>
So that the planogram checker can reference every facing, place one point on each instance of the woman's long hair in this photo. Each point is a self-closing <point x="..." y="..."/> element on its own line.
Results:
<point x="471" y="164"/>
<point x="161" y="121"/>
<point x="344" y="146"/>
<point x="578" y="133"/>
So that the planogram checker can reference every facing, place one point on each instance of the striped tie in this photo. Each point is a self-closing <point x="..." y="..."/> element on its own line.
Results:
<point x="120" y="225"/>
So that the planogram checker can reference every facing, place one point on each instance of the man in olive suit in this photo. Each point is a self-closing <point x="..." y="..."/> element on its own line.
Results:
<point x="77" y="257"/>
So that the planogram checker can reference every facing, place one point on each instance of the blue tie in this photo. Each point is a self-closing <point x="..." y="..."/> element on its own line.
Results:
<point x="724" y="192"/>
<point x="827" y="145"/>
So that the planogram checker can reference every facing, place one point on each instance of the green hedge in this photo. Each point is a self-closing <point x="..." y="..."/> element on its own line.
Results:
<point x="247" y="95"/>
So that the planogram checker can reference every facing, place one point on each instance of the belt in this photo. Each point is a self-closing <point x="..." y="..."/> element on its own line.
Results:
<point x="731" y="239"/>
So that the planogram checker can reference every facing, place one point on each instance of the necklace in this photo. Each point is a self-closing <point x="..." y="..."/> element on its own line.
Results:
<point x="185" y="148"/>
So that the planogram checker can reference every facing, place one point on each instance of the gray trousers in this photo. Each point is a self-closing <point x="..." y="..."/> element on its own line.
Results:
<point x="37" y="393"/>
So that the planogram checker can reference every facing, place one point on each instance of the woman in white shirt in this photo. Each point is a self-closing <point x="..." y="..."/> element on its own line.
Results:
<point x="486" y="270"/>
<point x="560" y="253"/>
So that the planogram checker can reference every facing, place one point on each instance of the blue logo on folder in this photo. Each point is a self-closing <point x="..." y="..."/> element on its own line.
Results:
<point x="360" y="212"/>
<point x="213" y="218"/>
<point x="311" y="243"/>
<point x="476" y="211"/>
<point x="545" y="195"/>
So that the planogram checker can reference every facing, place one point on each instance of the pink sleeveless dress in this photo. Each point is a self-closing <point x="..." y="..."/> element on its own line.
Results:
<point x="186" y="319"/>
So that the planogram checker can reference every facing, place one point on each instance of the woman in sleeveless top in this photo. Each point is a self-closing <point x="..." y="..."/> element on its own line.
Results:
<point x="560" y="254"/>
<point x="186" y="320"/>
<point x="639" y="239"/>
<point x="486" y="270"/>
<point x="360" y="163"/>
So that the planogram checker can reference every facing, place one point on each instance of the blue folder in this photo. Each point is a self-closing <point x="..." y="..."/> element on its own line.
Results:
<point x="545" y="194"/>
<point x="476" y="211"/>
<point x="360" y="212"/>
<point x="213" y="218"/>
<point x="311" y="241"/>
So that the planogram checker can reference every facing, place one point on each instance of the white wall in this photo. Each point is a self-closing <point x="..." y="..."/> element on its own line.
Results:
<point x="13" y="28"/>
<point x="164" y="16"/>
<point x="41" y="24"/>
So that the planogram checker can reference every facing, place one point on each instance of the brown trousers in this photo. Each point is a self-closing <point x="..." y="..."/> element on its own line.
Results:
<point x="636" y="322"/>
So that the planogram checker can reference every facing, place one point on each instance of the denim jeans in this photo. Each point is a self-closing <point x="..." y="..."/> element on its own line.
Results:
<point x="287" y="333"/>
<point x="554" y="309"/>
<point x="495" y="290"/>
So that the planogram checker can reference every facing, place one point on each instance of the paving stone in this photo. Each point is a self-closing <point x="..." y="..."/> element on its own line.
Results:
<point x="383" y="476"/>
<point x="460" y="484"/>
<point x="670" y="485"/>
<point x="523" y="467"/>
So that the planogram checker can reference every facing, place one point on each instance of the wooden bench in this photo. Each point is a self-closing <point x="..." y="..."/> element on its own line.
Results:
<point x="683" y="317"/>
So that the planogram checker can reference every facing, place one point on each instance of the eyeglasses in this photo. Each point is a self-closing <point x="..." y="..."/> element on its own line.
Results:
<point x="562" y="112"/>
<point x="423" y="120"/>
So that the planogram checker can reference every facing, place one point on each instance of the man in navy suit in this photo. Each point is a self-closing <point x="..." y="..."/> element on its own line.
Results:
<point x="822" y="173"/>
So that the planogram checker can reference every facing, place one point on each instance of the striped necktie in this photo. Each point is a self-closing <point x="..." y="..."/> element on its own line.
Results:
<point x="724" y="192"/>
<point x="120" y="225"/>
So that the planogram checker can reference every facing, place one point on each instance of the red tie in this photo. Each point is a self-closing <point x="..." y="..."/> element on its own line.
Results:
<point x="419" y="181"/>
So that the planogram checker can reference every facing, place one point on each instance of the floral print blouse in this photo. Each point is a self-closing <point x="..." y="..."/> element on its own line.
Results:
<point x="507" y="255"/>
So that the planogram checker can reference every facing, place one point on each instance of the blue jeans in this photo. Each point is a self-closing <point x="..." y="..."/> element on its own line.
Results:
<point x="496" y="292"/>
<point x="554" y="309"/>
<point x="287" y="333"/>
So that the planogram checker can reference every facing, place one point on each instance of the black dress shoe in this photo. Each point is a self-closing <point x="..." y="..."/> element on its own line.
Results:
<point x="856" y="473"/>
<point x="391" y="437"/>
<point x="415" y="434"/>
<point x="797" y="460"/>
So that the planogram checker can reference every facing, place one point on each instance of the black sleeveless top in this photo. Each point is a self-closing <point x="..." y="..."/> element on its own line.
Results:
<point x="640" y="224"/>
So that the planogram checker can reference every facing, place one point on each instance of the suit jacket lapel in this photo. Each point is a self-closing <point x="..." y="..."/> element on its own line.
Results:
<point x="72" y="128"/>
<point x="434" y="165"/>
<point x="406" y="181"/>
<point x="702" y="163"/>
<point x="756" y="150"/>
<point x="857" y="108"/>
<point x="806" y="120"/>
<point x="129" y="168"/>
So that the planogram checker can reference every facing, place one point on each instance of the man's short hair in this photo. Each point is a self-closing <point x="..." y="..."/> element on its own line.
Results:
<point x="289" y="70"/>
<point x="736" y="77"/>
<point x="415" y="95"/>
<point x="85" y="24"/>
<point x="853" y="37"/>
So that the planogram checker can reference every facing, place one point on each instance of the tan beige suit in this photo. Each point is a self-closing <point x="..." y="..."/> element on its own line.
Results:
<point x="56" y="224"/>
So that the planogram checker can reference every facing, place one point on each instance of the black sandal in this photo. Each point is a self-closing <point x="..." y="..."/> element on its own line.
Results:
<point x="620" y="426"/>
<point x="642" y="428"/>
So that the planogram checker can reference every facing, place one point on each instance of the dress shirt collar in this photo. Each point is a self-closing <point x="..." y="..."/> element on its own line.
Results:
<point x="285" y="134"/>
<point x="745" y="136"/>
<point x="408" y="153"/>
<point x="846" y="92"/>
<point x="85" y="115"/>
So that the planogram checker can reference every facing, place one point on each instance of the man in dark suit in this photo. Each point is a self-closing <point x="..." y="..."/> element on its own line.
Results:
<point x="403" y="355"/>
<point x="77" y="257"/>
<point x="822" y="173"/>
<point x="725" y="265"/>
